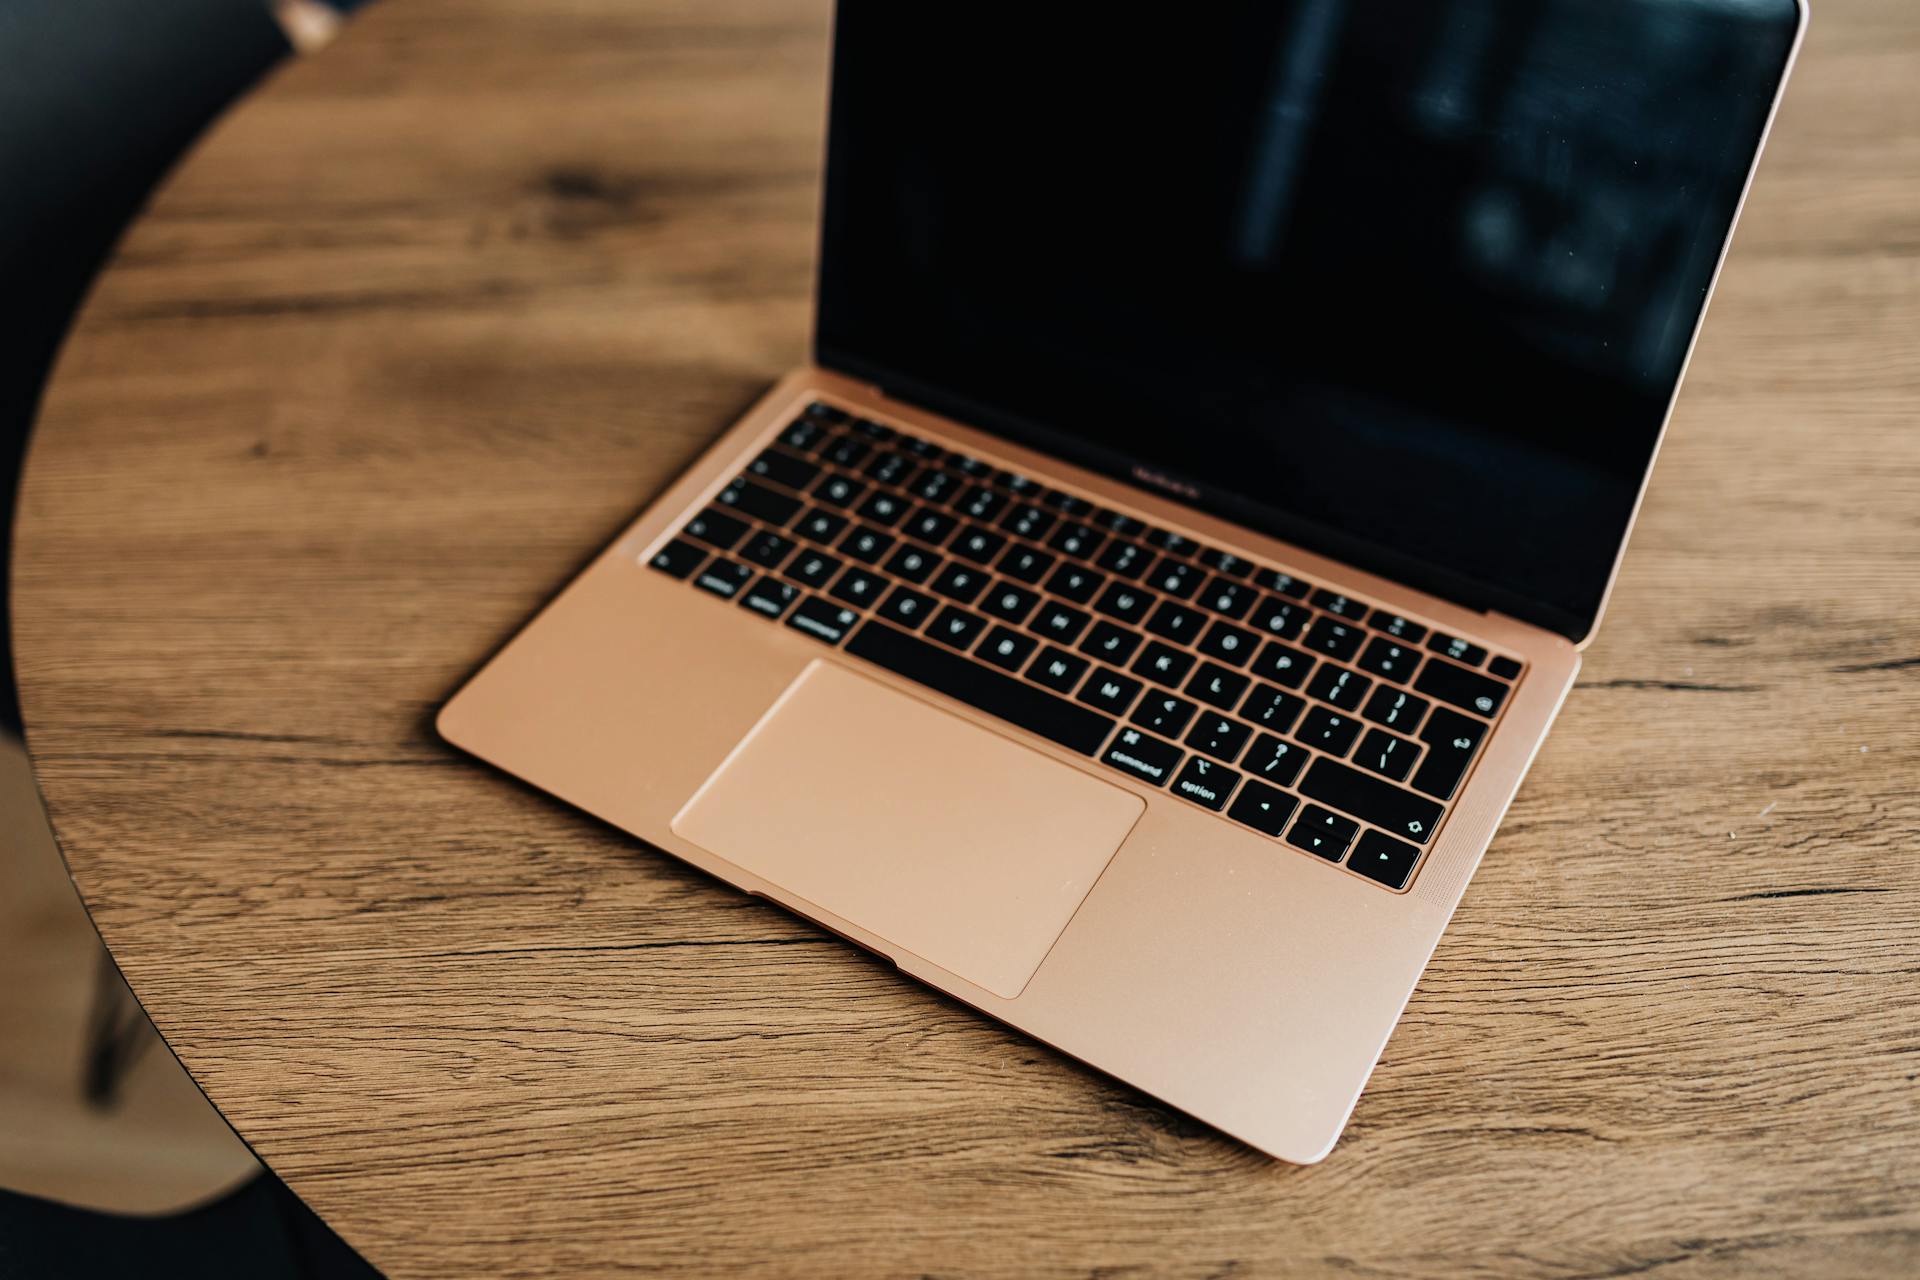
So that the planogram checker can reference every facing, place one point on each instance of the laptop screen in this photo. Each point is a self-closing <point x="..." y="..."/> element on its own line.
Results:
<point x="1408" y="281"/>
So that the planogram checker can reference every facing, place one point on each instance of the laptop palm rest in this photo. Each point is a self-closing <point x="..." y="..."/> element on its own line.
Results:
<point x="944" y="838"/>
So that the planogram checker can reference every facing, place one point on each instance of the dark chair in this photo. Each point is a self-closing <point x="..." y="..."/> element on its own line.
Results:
<point x="98" y="98"/>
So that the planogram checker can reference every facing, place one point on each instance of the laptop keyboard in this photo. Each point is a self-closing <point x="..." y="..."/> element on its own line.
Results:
<point x="1312" y="717"/>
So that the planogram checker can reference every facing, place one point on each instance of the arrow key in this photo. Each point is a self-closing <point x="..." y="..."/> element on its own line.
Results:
<point x="1261" y="807"/>
<point x="1324" y="833"/>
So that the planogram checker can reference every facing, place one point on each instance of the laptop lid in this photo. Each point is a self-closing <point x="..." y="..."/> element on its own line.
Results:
<point x="1409" y="282"/>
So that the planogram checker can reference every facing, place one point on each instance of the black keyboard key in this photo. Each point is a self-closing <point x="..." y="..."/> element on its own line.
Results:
<point x="969" y="466"/>
<point x="1163" y="663"/>
<point x="803" y="434"/>
<point x="1479" y="694"/>
<point x="1225" y="562"/>
<point x="1017" y="484"/>
<point x="820" y="525"/>
<point x="1027" y="521"/>
<point x="1396" y="626"/>
<point x="1390" y="660"/>
<point x="1147" y="758"/>
<point x="866" y="545"/>
<point x="1058" y="669"/>
<point x="957" y="627"/>
<point x="1218" y="687"/>
<point x="1504" y="667"/>
<point x="1058" y="623"/>
<point x="823" y="412"/>
<point x="908" y="608"/>
<point x="813" y="568"/>
<point x="1176" y="622"/>
<point x="677" y="559"/>
<point x="1066" y="503"/>
<point x="1451" y="740"/>
<point x="1009" y="603"/>
<point x="977" y="544"/>
<point x="1175" y="577"/>
<point x="716" y="528"/>
<point x="1395" y="708"/>
<point x="1273" y="709"/>
<point x="1382" y="858"/>
<point x="1075" y="583"/>
<point x="1124" y="601"/>
<point x="1117" y="522"/>
<point x="1370" y="799"/>
<point x="884" y="508"/>
<point x="1229" y="643"/>
<point x="1275" y="759"/>
<point x="1174" y="544"/>
<point x="922" y="448"/>
<point x="1025" y="564"/>
<point x="859" y="587"/>
<point x="1386" y="755"/>
<point x="848" y="451"/>
<point x="1227" y="598"/>
<point x="768" y="550"/>
<point x="1328" y="730"/>
<point x="961" y="582"/>
<point x="1110" y="691"/>
<point x="935" y="486"/>
<point x="839" y="491"/>
<point x="1339" y="687"/>
<point x="822" y="619"/>
<point x="1338" y="639"/>
<point x="1261" y="807"/>
<point x="723" y="577"/>
<point x="1077" y="540"/>
<point x="1205" y="783"/>
<point x="1323" y="833"/>
<point x="1110" y="642"/>
<point x="1163" y="713"/>
<point x="1125" y="559"/>
<point x="980" y="503"/>
<point x="1334" y="602"/>
<point x="770" y="596"/>
<point x="757" y="500"/>
<point x="1281" y="618"/>
<point x="890" y="470"/>
<point x="1285" y="583"/>
<point x="784" y="469"/>
<point x="1021" y="704"/>
<point x="873" y="430"/>
<point x="912" y="564"/>
<point x="1009" y="649"/>
<point x="931" y="527"/>
<point x="1219" y="737"/>
<point x="1283" y="665"/>
<point x="1457" y="649"/>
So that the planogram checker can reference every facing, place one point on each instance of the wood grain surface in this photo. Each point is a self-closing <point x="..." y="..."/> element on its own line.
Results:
<point x="427" y="321"/>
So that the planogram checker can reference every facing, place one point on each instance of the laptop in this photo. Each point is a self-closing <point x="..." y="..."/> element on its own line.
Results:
<point x="1220" y="440"/>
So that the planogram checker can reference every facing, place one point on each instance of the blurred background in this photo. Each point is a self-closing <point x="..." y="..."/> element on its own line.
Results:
<point x="111" y="1160"/>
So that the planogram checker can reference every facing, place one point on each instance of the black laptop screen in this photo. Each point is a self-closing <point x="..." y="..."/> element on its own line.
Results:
<point x="1410" y="281"/>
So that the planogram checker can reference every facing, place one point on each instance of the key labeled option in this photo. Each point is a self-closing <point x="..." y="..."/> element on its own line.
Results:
<point x="1206" y="783"/>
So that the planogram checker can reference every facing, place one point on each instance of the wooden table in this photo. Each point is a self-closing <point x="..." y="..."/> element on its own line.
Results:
<point x="427" y="320"/>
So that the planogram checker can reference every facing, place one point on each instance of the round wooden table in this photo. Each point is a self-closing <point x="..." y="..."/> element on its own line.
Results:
<point x="431" y="316"/>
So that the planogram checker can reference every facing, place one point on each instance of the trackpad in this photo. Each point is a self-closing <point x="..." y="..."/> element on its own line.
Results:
<point x="946" y="839"/>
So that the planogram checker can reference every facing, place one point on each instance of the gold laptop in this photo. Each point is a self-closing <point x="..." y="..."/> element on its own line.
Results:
<point x="1221" y="438"/>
